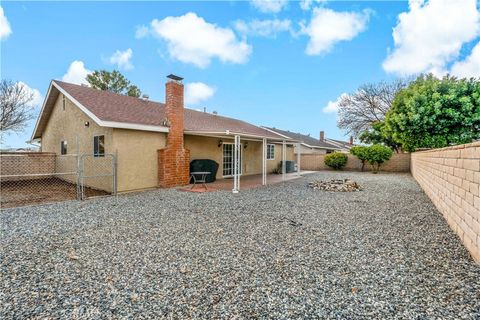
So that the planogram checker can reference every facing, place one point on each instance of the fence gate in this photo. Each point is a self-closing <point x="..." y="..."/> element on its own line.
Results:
<point x="97" y="175"/>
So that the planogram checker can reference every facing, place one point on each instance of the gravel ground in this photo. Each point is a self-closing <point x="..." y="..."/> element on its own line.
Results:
<point x="283" y="251"/>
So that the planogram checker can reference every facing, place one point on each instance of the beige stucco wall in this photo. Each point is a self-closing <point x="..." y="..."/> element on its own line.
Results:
<point x="272" y="164"/>
<point x="137" y="160"/>
<point x="69" y="125"/>
<point x="207" y="148"/>
<point x="136" y="150"/>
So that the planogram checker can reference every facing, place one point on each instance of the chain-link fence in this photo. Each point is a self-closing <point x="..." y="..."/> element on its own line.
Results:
<point x="35" y="177"/>
<point x="97" y="173"/>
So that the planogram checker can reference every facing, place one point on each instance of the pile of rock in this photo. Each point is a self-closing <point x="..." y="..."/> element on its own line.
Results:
<point x="338" y="185"/>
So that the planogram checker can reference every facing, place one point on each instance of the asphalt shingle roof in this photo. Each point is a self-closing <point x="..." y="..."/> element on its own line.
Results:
<point x="108" y="106"/>
<point x="305" y="139"/>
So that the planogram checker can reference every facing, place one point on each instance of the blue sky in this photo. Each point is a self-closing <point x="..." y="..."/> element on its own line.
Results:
<point x="277" y="63"/>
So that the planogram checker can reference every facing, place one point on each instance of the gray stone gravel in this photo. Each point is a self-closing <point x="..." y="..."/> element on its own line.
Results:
<point x="284" y="251"/>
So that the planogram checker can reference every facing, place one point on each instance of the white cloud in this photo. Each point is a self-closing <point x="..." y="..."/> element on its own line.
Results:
<point x="196" y="92"/>
<point x="141" y="32"/>
<point x="37" y="98"/>
<point x="431" y="34"/>
<point x="470" y="67"/>
<point x="332" y="106"/>
<point x="307" y="4"/>
<point x="5" y="29"/>
<point x="76" y="73"/>
<point x="328" y="27"/>
<point x="191" y="39"/>
<point x="269" y="6"/>
<point x="263" y="28"/>
<point x="122" y="59"/>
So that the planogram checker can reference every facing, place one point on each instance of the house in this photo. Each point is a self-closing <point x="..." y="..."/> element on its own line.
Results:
<point x="310" y="145"/>
<point x="343" y="145"/>
<point x="153" y="142"/>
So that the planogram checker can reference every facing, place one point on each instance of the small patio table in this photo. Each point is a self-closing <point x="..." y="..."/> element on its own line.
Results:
<point x="202" y="179"/>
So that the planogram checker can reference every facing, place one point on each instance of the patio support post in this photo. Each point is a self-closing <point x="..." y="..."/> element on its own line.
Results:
<point x="236" y="164"/>
<point x="284" y="158"/>
<point x="264" y="162"/>
<point x="298" y="158"/>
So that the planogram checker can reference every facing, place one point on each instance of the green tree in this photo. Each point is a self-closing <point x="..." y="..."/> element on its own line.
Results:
<point x="114" y="82"/>
<point x="433" y="113"/>
<point x="361" y="153"/>
<point x="379" y="134"/>
<point x="376" y="155"/>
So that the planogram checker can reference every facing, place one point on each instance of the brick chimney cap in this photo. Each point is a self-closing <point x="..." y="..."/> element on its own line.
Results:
<point x="174" y="77"/>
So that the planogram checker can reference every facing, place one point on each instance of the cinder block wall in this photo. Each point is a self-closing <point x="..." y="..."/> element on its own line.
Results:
<point x="19" y="163"/>
<point x="400" y="162"/>
<point x="451" y="179"/>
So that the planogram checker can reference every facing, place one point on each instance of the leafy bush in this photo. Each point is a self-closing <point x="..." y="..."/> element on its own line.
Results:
<point x="376" y="155"/>
<point x="434" y="113"/>
<point x="336" y="160"/>
<point x="361" y="153"/>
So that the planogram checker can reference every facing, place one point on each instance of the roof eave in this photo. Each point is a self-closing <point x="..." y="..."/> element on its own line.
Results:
<point x="232" y="133"/>
<point x="273" y="131"/>
<point x="34" y="133"/>
<point x="98" y="121"/>
<point x="319" y="147"/>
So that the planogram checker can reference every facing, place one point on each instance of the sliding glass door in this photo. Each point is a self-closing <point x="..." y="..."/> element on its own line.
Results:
<point x="228" y="149"/>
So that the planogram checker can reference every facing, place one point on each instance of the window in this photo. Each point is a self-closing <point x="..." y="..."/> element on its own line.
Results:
<point x="63" y="147"/>
<point x="270" y="151"/>
<point x="63" y="102"/>
<point x="99" y="146"/>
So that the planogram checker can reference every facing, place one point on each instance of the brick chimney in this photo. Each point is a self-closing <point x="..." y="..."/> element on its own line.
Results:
<point x="322" y="136"/>
<point x="174" y="159"/>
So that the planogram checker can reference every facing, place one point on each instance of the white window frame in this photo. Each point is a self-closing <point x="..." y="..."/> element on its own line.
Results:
<point x="270" y="152"/>
<point x="98" y="154"/>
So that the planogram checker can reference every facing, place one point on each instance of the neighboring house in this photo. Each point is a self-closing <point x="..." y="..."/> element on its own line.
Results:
<point x="309" y="144"/>
<point x="154" y="142"/>
<point x="344" y="145"/>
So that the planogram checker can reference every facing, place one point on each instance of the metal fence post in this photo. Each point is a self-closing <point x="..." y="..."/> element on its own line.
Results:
<point x="114" y="165"/>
